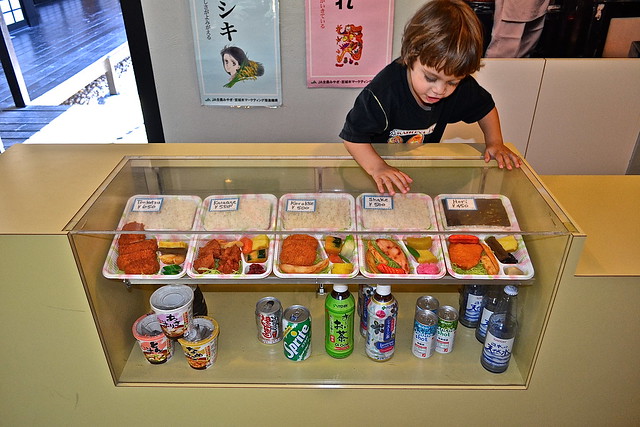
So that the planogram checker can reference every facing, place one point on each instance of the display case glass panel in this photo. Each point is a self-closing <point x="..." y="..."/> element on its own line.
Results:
<point x="242" y="360"/>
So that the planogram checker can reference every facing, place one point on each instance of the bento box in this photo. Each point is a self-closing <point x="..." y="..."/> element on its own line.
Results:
<point x="327" y="255"/>
<point x="328" y="249"/>
<point x="241" y="212"/>
<point x="391" y="252"/>
<point x="401" y="256"/>
<point x="475" y="212"/>
<point x="149" y="250"/>
<point x="484" y="256"/>
<point x="401" y="212"/>
<point x="316" y="212"/>
<point x="230" y="256"/>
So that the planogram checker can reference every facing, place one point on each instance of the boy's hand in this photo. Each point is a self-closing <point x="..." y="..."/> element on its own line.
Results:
<point x="386" y="177"/>
<point x="504" y="156"/>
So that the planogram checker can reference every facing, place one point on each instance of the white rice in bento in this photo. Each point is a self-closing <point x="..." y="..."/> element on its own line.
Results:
<point x="175" y="214"/>
<point x="331" y="213"/>
<point x="252" y="213"/>
<point x="408" y="213"/>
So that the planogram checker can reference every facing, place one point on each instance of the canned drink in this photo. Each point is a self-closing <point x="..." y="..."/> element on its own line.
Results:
<point x="427" y="303"/>
<point x="269" y="320"/>
<point x="447" y="325"/>
<point x="296" y="325"/>
<point x="425" y="327"/>
<point x="364" y="295"/>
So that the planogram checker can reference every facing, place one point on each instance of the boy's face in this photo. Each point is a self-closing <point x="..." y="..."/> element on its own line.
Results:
<point x="430" y="85"/>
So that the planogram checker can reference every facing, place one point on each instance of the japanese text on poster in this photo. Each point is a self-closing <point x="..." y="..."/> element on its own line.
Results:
<point x="237" y="49"/>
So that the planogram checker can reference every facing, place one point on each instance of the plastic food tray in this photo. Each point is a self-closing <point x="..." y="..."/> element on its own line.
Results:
<point x="436" y="250"/>
<point x="198" y="241"/>
<point x="367" y="199"/>
<point x="238" y="204"/>
<point x="524" y="263"/>
<point x="315" y="215"/>
<point x="321" y="255"/>
<point x="156" y="203"/>
<point x="110" y="268"/>
<point x="468" y="202"/>
<point x="161" y="202"/>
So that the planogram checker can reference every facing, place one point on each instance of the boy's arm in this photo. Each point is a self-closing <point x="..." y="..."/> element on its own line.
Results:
<point x="383" y="174"/>
<point x="490" y="125"/>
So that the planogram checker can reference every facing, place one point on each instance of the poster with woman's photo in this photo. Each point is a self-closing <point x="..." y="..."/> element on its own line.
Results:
<point x="237" y="49"/>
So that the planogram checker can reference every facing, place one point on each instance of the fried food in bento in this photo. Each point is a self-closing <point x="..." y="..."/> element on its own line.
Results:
<point x="214" y="256"/>
<point x="230" y="260"/>
<point x="465" y="255"/>
<point x="212" y="247"/>
<point x="143" y="266"/>
<point x="299" y="249"/>
<point x="139" y="256"/>
<point x="142" y="245"/>
<point x="206" y="262"/>
<point x="126" y="239"/>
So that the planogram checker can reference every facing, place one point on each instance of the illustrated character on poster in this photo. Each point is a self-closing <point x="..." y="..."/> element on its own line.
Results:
<point x="349" y="44"/>
<point x="239" y="66"/>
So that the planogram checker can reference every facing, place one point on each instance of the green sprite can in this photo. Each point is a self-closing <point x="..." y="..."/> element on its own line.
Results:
<point x="296" y="324"/>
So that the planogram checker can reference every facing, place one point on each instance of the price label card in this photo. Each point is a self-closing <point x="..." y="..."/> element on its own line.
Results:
<point x="377" y="202"/>
<point x="461" y="204"/>
<point x="147" y="205"/>
<point x="224" y="205"/>
<point x="299" y="205"/>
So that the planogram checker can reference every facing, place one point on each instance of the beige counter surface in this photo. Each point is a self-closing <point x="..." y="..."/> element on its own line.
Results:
<point x="607" y="208"/>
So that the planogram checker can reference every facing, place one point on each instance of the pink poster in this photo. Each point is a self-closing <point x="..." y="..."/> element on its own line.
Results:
<point x="348" y="41"/>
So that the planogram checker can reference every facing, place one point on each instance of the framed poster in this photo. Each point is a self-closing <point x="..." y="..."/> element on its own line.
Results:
<point x="237" y="49"/>
<point x="348" y="41"/>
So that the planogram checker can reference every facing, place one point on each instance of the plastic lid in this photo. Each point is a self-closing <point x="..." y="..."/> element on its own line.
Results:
<point x="383" y="289"/>
<point x="511" y="290"/>
<point x="340" y="288"/>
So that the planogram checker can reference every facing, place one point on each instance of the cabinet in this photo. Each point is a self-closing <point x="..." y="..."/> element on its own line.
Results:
<point x="243" y="361"/>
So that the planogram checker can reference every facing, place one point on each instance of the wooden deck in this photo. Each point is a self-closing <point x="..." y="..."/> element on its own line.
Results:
<point x="72" y="35"/>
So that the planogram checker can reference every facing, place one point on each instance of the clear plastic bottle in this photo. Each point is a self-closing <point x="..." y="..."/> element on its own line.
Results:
<point x="339" y="314"/>
<point x="470" y="304"/>
<point x="382" y="322"/>
<point x="489" y="304"/>
<point x="501" y="333"/>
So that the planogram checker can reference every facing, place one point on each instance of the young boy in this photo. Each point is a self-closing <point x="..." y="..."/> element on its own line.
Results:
<point x="413" y="98"/>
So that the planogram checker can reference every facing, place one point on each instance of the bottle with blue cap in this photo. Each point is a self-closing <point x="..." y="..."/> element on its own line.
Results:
<point x="501" y="333"/>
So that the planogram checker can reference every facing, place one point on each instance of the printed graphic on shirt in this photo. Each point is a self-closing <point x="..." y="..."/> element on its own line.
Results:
<point x="416" y="136"/>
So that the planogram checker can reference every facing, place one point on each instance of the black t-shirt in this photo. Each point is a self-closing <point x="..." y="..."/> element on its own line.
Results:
<point x="386" y="110"/>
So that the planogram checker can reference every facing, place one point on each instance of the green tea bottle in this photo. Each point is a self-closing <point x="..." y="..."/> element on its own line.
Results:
<point x="339" y="309"/>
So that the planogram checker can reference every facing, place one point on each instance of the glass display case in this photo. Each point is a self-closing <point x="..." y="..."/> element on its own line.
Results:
<point x="243" y="361"/>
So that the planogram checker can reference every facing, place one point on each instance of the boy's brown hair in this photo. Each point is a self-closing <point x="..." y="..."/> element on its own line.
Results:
<point x="445" y="35"/>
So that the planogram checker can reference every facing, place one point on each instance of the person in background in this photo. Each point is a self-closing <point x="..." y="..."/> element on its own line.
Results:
<point x="430" y="85"/>
<point x="517" y="26"/>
